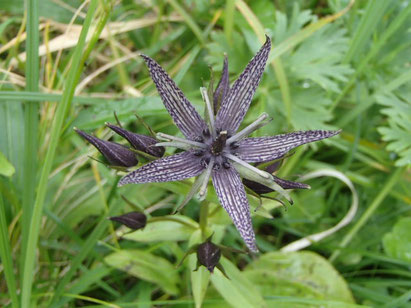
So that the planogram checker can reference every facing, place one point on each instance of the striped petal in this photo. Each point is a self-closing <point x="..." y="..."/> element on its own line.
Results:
<point x="230" y="191"/>
<point x="261" y="149"/>
<point x="236" y="103"/>
<point x="181" y="110"/>
<point x="222" y="88"/>
<point x="171" y="168"/>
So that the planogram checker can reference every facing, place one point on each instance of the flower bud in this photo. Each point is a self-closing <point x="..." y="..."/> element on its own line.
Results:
<point x="139" y="142"/>
<point x="208" y="255"/>
<point x="116" y="154"/>
<point x="133" y="220"/>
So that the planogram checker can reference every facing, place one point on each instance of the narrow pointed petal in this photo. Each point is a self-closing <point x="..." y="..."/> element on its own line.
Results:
<point x="222" y="88"/>
<point x="262" y="189"/>
<point x="116" y="154"/>
<point x="262" y="149"/>
<point x="171" y="168"/>
<point x="286" y="184"/>
<point x="236" y="103"/>
<point x="139" y="142"/>
<point x="230" y="191"/>
<point x="181" y="110"/>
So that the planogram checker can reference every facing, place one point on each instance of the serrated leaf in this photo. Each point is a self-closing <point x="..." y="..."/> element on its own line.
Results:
<point x="310" y="109"/>
<point x="398" y="131"/>
<point x="303" y="274"/>
<point x="397" y="243"/>
<point x="146" y="266"/>
<point x="169" y="228"/>
<point x="319" y="57"/>
<point x="6" y="168"/>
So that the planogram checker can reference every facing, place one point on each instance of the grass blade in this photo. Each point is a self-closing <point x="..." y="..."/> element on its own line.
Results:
<point x="31" y="123"/>
<point x="6" y="259"/>
<point x="396" y="175"/>
<point x="30" y="255"/>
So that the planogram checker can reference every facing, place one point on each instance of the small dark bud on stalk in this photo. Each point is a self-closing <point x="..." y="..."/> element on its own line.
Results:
<point x="133" y="220"/>
<point x="116" y="154"/>
<point x="139" y="142"/>
<point x="208" y="255"/>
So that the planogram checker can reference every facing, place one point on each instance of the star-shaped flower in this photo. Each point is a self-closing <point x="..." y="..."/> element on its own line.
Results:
<point x="216" y="148"/>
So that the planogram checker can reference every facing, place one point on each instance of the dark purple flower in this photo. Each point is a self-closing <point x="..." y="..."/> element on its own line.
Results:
<point x="116" y="154"/>
<point x="133" y="220"/>
<point x="216" y="149"/>
<point x="139" y="142"/>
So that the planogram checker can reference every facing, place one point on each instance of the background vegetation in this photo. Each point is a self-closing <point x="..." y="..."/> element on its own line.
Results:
<point x="334" y="64"/>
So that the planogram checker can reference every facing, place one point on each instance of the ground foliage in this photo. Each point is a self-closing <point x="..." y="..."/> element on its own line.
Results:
<point x="334" y="64"/>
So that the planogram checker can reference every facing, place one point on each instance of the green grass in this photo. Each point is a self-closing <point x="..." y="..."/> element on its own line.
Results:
<point x="334" y="64"/>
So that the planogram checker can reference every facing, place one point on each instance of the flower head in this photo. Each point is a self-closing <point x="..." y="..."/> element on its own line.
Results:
<point x="216" y="148"/>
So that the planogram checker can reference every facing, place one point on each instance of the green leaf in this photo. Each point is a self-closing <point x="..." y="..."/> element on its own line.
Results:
<point x="6" y="168"/>
<point x="398" y="130"/>
<point x="302" y="274"/>
<point x="318" y="58"/>
<point x="238" y="291"/>
<point x="310" y="109"/>
<point x="146" y="266"/>
<point x="397" y="243"/>
<point x="166" y="228"/>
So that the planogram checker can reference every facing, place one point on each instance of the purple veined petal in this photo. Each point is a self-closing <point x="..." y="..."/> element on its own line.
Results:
<point x="116" y="154"/>
<point x="236" y="103"/>
<point x="171" y="168"/>
<point x="262" y="149"/>
<point x="139" y="142"/>
<point x="222" y="88"/>
<point x="181" y="110"/>
<point x="230" y="191"/>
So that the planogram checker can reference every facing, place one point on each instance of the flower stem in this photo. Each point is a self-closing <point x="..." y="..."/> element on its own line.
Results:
<point x="203" y="219"/>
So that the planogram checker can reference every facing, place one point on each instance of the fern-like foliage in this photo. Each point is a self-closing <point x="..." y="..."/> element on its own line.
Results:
<point x="397" y="131"/>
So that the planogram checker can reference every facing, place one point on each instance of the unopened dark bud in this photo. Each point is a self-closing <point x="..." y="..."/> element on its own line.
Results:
<point x="116" y="154"/>
<point x="139" y="142"/>
<point x="133" y="220"/>
<point x="208" y="255"/>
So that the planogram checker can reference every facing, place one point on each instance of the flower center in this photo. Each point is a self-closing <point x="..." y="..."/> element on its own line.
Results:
<point x="219" y="143"/>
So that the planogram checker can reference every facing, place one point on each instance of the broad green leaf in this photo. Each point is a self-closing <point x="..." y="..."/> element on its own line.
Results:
<point x="6" y="168"/>
<point x="238" y="291"/>
<point x="397" y="243"/>
<point x="146" y="266"/>
<point x="302" y="274"/>
<point x="199" y="278"/>
<point x="166" y="228"/>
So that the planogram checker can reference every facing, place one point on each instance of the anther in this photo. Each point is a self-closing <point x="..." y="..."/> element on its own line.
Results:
<point x="234" y="145"/>
<point x="206" y="132"/>
<point x="205" y="161"/>
<point x="199" y="139"/>
<point x="198" y="153"/>
<point x="226" y="165"/>
<point x="216" y="166"/>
